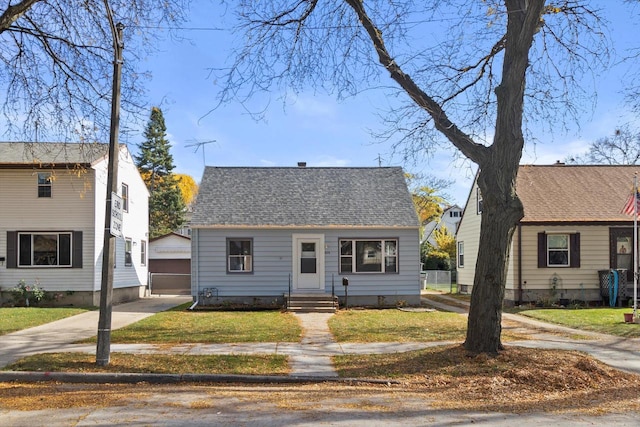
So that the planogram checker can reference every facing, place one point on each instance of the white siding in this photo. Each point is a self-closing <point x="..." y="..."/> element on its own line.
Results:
<point x="135" y="223"/>
<point x="170" y="247"/>
<point x="77" y="204"/>
<point x="272" y="263"/>
<point x="71" y="208"/>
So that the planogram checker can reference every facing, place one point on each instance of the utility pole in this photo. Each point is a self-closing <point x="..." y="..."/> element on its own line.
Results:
<point x="103" y="348"/>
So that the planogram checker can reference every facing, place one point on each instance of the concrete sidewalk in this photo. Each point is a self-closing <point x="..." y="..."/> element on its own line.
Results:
<point x="618" y="352"/>
<point x="59" y="335"/>
<point x="309" y="359"/>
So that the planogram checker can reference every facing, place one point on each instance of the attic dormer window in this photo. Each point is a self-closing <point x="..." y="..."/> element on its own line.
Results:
<point x="44" y="184"/>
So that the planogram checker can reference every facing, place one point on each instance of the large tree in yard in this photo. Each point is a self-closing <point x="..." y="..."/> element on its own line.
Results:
<point x="465" y="69"/>
<point x="155" y="163"/>
<point x="56" y="64"/>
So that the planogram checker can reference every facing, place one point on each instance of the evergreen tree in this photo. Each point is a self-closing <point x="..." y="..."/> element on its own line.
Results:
<point x="155" y="163"/>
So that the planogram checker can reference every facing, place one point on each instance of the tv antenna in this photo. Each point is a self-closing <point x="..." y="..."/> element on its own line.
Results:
<point x="199" y="144"/>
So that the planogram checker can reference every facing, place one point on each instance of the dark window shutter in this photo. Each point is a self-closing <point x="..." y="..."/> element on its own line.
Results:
<point x="12" y="249"/>
<point x="574" y="245"/>
<point x="542" y="250"/>
<point x="76" y="260"/>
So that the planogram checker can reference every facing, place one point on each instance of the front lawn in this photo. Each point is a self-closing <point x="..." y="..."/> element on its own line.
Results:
<point x="180" y="325"/>
<point x="17" y="318"/>
<point x="391" y="325"/>
<point x="237" y="364"/>
<point x="602" y="320"/>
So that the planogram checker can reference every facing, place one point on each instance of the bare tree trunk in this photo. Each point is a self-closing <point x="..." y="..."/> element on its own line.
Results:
<point x="502" y="210"/>
<point x="499" y="218"/>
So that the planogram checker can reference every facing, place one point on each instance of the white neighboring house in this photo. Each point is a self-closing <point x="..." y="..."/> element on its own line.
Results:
<point x="450" y="219"/>
<point x="52" y="206"/>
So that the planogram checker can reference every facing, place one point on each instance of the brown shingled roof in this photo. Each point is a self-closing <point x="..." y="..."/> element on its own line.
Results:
<point x="575" y="193"/>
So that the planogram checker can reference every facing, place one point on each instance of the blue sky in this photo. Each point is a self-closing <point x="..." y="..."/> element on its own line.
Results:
<point x="318" y="129"/>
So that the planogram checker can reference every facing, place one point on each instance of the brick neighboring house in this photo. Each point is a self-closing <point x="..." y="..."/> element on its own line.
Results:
<point x="52" y="206"/>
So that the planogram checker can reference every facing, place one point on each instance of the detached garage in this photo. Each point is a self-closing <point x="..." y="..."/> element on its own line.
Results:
<point x="170" y="265"/>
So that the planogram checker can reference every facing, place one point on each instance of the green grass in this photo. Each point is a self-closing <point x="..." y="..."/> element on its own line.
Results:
<point x="156" y="363"/>
<point x="397" y="326"/>
<point x="17" y="318"/>
<point x="182" y="326"/>
<point x="603" y="320"/>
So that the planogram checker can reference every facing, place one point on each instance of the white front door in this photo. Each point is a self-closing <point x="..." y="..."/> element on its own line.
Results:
<point x="308" y="262"/>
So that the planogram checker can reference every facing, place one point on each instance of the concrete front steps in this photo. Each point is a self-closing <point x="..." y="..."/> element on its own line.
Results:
<point x="312" y="303"/>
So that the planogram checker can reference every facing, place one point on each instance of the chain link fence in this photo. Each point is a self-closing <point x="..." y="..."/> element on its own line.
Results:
<point x="440" y="280"/>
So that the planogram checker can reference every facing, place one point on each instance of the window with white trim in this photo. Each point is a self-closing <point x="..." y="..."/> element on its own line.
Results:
<point x="125" y="197"/>
<point x="239" y="255"/>
<point x="44" y="249"/>
<point x="368" y="256"/>
<point x="143" y="252"/>
<point x="128" y="246"/>
<point x="480" y="201"/>
<point x="558" y="250"/>
<point x="460" y="254"/>
<point x="44" y="184"/>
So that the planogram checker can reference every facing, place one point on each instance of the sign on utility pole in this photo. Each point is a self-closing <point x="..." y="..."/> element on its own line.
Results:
<point x="103" y="348"/>
<point x="116" y="215"/>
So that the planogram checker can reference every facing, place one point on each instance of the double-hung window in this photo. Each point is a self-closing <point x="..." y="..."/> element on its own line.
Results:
<point x="460" y="254"/>
<point x="143" y="252"/>
<point x="128" y="247"/>
<point x="368" y="256"/>
<point x="44" y="184"/>
<point x="239" y="255"/>
<point x="44" y="249"/>
<point x="558" y="250"/>
<point x="125" y="197"/>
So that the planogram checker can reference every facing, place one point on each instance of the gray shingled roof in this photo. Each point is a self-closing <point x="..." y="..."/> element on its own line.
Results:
<point x="313" y="197"/>
<point x="575" y="193"/>
<point x="50" y="153"/>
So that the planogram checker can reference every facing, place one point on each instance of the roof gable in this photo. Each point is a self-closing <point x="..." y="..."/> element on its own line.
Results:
<point x="304" y="197"/>
<point x="574" y="193"/>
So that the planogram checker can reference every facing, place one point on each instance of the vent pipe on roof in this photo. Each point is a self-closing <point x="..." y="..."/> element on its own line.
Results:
<point x="302" y="164"/>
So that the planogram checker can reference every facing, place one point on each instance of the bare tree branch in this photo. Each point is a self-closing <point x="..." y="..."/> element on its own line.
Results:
<point x="56" y="64"/>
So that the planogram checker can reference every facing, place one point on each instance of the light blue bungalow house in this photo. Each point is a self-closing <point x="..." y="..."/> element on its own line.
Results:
<point x="263" y="234"/>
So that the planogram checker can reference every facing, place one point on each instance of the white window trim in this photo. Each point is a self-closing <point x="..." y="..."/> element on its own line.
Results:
<point x="353" y="255"/>
<point x="143" y="252"/>
<point x="460" y="254"/>
<point x="125" y="197"/>
<point x="128" y="241"/>
<point x="567" y="250"/>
